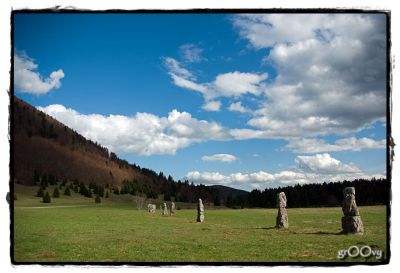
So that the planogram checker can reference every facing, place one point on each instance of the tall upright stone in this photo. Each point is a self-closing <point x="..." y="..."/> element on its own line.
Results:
<point x="351" y="221"/>
<point x="172" y="209"/>
<point x="165" y="209"/>
<point x="200" y="211"/>
<point x="282" y="220"/>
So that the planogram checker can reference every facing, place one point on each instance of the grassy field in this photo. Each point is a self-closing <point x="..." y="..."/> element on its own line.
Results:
<point x="118" y="232"/>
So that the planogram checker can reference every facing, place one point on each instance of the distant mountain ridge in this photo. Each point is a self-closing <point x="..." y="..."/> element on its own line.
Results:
<point x="225" y="192"/>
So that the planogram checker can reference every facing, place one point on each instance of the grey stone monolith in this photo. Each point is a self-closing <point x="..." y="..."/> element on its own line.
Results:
<point x="165" y="209"/>
<point x="200" y="211"/>
<point x="351" y="221"/>
<point x="172" y="209"/>
<point x="282" y="220"/>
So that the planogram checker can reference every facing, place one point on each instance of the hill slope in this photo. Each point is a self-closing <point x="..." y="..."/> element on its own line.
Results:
<point x="225" y="191"/>
<point x="44" y="145"/>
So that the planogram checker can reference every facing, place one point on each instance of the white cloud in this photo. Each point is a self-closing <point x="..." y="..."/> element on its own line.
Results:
<point x="235" y="84"/>
<point x="247" y="180"/>
<point x="191" y="53"/>
<point x="147" y="134"/>
<point x="242" y="134"/>
<point x="324" y="163"/>
<point x="316" y="169"/>
<point x="182" y="124"/>
<point x="231" y="84"/>
<point x="214" y="105"/>
<point x="28" y="80"/>
<point x="238" y="107"/>
<point x="331" y="78"/>
<point x="331" y="72"/>
<point x="143" y="133"/>
<point x="268" y="30"/>
<point x="312" y="145"/>
<point x="188" y="84"/>
<point x="224" y="158"/>
<point x="175" y="68"/>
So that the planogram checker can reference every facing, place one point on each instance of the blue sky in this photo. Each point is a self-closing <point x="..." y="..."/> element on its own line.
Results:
<point x="248" y="101"/>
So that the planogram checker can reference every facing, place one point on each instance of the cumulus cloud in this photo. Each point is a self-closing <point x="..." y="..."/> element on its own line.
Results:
<point x="312" y="145"/>
<point x="191" y="53"/>
<point x="238" y="107"/>
<point x="143" y="133"/>
<point x="331" y="71"/>
<point x="324" y="163"/>
<point x="214" y="105"/>
<point x="224" y="158"/>
<point x="148" y="134"/>
<point x="235" y="84"/>
<point x="230" y="84"/>
<point x="311" y="169"/>
<point x="28" y="80"/>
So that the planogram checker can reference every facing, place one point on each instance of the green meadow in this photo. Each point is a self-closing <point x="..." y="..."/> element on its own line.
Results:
<point x="75" y="229"/>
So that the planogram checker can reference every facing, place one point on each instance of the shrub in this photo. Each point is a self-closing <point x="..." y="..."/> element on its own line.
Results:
<point x="106" y="194"/>
<point x="97" y="199"/>
<point x="46" y="198"/>
<point x="56" y="193"/>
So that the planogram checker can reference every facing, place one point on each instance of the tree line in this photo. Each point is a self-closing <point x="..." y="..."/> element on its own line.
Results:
<point x="368" y="192"/>
<point x="151" y="185"/>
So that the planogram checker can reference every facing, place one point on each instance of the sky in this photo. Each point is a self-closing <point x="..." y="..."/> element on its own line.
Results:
<point x="242" y="100"/>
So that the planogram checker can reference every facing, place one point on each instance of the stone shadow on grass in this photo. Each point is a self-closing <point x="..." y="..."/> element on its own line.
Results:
<point x="320" y="233"/>
<point x="265" y="228"/>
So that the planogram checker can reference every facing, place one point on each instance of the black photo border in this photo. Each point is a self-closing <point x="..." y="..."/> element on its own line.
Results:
<point x="389" y="139"/>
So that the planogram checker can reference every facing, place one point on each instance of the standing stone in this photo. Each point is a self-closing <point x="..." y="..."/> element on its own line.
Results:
<point x="151" y="208"/>
<point x="200" y="211"/>
<point x="165" y="209"/>
<point x="282" y="220"/>
<point x="351" y="221"/>
<point x="172" y="209"/>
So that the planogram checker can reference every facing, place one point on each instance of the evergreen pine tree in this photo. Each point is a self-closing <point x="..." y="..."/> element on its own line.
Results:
<point x="46" y="198"/>
<point x="40" y="192"/>
<point x="56" y="193"/>
<point x="67" y="191"/>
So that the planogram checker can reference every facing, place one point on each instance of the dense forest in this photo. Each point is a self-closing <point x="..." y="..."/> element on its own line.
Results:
<point x="368" y="192"/>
